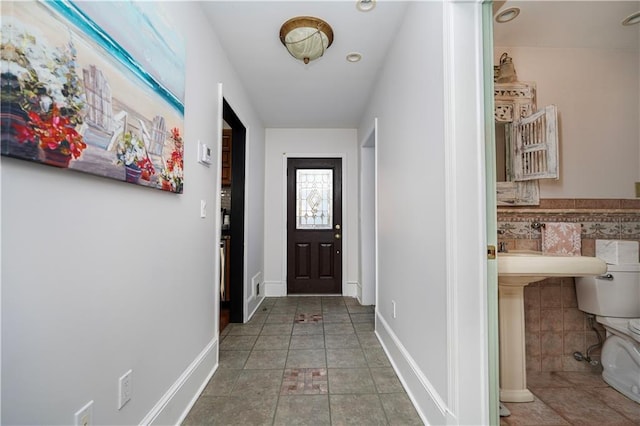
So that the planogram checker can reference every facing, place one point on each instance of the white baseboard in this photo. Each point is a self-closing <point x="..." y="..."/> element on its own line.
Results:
<point x="275" y="289"/>
<point x="279" y="289"/>
<point x="351" y="289"/>
<point x="431" y="407"/>
<point x="359" y="293"/>
<point x="252" y="313"/>
<point x="175" y="404"/>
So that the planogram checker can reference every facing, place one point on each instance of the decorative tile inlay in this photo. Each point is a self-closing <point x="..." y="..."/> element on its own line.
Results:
<point x="600" y="219"/>
<point x="630" y="228"/>
<point x="305" y="318"/>
<point x="304" y="381"/>
<point x="601" y="230"/>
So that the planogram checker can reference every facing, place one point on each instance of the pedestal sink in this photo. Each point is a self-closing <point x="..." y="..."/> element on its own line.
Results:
<point x="517" y="269"/>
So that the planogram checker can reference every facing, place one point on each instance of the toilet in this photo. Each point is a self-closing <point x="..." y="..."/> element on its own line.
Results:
<point x="614" y="298"/>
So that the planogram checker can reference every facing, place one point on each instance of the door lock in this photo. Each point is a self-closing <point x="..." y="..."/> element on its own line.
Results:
<point x="337" y="226"/>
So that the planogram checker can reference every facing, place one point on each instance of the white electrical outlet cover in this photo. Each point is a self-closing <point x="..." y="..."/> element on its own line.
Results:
<point x="84" y="416"/>
<point x="124" y="389"/>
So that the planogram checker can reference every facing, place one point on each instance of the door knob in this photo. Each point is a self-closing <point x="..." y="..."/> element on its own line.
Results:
<point x="337" y="236"/>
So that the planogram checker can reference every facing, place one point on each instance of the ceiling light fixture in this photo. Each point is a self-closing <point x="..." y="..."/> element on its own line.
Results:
<point x="507" y="15"/>
<point x="632" y="19"/>
<point x="306" y="38"/>
<point x="365" y="5"/>
<point x="354" y="57"/>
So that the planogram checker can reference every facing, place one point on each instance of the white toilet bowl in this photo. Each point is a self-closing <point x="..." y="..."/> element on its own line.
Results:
<point x="615" y="300"/>
<point x="621" y="356"/>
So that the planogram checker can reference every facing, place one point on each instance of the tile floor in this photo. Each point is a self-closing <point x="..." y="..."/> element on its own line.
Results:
<point x="304" y="361"/>
<point x="572" y="398"/>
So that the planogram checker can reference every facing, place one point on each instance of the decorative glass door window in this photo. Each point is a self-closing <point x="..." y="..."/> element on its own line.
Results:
<point x="314" y="199"/>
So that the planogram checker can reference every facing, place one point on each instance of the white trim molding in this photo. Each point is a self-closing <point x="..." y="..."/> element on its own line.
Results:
<point x="184" y="392"/>
<point x="275" y="288"/>
<point x="465" y="205"/>
<point x="411" y="376"/>
<point x="252" y="313"/>
<point x="351" y="289"/>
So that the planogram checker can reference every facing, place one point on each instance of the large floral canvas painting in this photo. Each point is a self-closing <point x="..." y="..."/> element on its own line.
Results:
<point x="95" y="87"/>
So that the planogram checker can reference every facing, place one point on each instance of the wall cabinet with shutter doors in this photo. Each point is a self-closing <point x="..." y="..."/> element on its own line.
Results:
<point x="529" y="143"/>
<point x="226" y="157"/>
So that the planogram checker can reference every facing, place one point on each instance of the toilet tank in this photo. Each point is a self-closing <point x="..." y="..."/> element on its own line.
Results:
<point x="613" y="294"/>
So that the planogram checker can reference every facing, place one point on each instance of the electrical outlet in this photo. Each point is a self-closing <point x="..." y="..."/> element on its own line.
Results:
<point x="84" y="416"/>
<point x="393" y="304"/>
<point x="124" y="389"/>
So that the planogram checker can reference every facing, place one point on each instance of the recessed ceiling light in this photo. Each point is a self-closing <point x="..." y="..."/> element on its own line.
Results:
<point x="632" y="19"/>
<point x="365" y="5"/>
<point x="354" y="57"/>
<point x="507" y="15"/>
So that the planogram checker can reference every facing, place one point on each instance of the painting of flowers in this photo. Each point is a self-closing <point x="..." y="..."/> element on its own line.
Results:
<point x="72" y="98"/>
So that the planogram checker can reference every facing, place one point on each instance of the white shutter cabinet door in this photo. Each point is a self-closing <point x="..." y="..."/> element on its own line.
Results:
<point x="535" y="146"/>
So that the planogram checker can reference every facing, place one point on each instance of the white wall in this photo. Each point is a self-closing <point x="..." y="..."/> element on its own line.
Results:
<point x="430" y="181"/>
<point x="597" y="94"/>
<point x="100" y="276"/>
<point x="408" y="102"/>
<point x="283" y="143"/>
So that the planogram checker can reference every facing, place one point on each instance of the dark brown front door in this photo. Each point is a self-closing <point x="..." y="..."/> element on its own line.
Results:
<point x="314" y="226"/>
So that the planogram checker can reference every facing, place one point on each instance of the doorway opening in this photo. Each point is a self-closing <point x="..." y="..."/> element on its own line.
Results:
<point x="232" y="182"/>
<point x="368" y="242"/>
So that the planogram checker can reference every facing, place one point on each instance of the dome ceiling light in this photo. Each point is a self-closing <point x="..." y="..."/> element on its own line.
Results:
<point x="306" y="38"/>
<point x="507" y="15"/>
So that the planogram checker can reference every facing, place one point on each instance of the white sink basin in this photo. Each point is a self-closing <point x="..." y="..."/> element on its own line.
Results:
<point x="516" y="269"/>
<point x="521" y="267"/>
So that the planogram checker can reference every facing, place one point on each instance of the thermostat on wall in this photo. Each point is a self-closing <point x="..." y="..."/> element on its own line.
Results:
<point x="204" y="153"/>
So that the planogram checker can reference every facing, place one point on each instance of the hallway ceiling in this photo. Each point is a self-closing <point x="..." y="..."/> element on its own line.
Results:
<point x="328" y="92"/>
<point x="333" y="93"/>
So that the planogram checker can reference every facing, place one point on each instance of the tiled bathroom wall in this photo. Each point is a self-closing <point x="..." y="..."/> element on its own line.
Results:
<point x="554" y="327"/>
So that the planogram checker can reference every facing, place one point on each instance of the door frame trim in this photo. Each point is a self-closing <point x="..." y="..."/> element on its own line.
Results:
<point x="238" y="213"/>
<point x="465" y="207"/>
<point x="345" y="237"/>
<point x="370" y="142"/>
